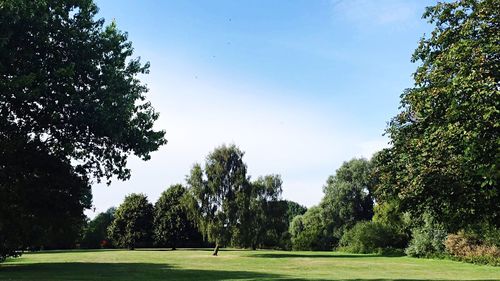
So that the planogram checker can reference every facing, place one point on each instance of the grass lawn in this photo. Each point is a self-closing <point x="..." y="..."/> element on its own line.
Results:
<point x="233" y="265"/>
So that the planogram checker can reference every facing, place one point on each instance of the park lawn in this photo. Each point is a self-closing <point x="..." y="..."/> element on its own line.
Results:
<point x="233" y="265"/>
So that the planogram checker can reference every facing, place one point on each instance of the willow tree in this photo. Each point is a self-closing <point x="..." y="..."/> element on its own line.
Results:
<point x="216" y="191"/>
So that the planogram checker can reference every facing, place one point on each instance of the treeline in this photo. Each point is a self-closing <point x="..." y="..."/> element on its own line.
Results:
<point x="219" y="206"/>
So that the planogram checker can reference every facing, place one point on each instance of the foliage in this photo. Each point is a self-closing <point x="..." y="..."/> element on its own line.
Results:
<point x="444" y="158"/>
<point x="389" y="214"/>
<point x="371" y="237"/>
<point x="309" y="231"/>
<point x="427" y="239"/>
<point x="469" y="249"/>
<point x="261" y="215"/>
<point x="69" y="82"/>
<point x="133" y="221"/>
<point x="42" y="199"/>
<point x="294" y="209"/>
<point x="172" y="226"/>
<point x="348" y="197"/>
<point x="71" y="108"/>
<point x="95" y="234"/>
<point x="217" y="192"/>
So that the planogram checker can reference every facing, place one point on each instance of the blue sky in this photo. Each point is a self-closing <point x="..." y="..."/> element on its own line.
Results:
<point x="300" y="86"/>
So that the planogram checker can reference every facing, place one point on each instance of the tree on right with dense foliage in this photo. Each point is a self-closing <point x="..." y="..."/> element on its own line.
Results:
<point x="133" y="222"/>
<point x="444" y="159"/>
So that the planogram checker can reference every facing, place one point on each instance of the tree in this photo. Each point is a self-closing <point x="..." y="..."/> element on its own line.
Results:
<point x="294" y="209"/>
<point x="42" y="199"/>
<point x="70" y="92"/>
<point x="444" y="157"/>
<point x="309" y="231"/>
<point x="216" y="192"/>
<point x="348" y="197"/>
<point x="68" y="83"/>
<point x="95" y="234"/>
<point x="261" y="215"/>
<point x="133" y="222"/>
<point x="171" y="221"/>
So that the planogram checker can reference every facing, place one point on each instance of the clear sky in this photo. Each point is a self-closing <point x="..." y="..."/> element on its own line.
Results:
<point x="300" y="86"/>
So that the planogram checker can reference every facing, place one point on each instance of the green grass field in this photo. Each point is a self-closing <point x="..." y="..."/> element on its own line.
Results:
<point x="233" y="265"/>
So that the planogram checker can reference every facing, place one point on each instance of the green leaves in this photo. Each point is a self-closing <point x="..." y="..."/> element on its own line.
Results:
<point x="445" y="140"/>
<point x="133" y="222"/>
<point x="72" y="81"/>
<point x="215" y="191"/>
<point x="172" y="224"/>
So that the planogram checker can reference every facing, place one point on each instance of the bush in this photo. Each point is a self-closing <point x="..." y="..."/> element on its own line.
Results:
<point x="427" y="240"/>
<point x="371" y="237"/>
<point x="469" y="249"/>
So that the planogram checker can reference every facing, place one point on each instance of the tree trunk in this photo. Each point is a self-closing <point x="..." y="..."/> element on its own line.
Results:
<point x="216" y="250"/>
<point x="173" y="248"/>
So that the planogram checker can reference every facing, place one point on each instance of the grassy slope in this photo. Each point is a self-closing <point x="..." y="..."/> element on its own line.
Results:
<point x="234" y="265"/>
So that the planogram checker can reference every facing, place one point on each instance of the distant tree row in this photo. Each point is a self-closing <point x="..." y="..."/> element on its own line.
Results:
<point x="220" y="205"/>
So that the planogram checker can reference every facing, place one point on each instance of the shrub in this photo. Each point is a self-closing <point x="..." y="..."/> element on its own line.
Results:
<point x="469" y="249"/>
<point x="371" y="237"/>
<point x="427" y="240"/>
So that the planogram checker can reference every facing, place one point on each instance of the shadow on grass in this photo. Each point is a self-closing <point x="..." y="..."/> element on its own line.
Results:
<point x="137" y="271"/>
<point x="120" y="271"/>
<point x="301" y="255"/>
<point x="71" y="251"/>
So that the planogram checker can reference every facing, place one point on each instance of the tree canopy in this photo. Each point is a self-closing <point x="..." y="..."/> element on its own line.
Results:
<point x="348" y="196"/>
<point x="41" y="199"/>
<point x="172" y="224"/>
<point x="95" y="233"/>
<point x="72" y="109"/>
<point x="69" y="85"/>
<point x="133" y="222"/>
<point x="444" y="158"/>
<point x="215" y="192"/>
<point x="261" y="215"/>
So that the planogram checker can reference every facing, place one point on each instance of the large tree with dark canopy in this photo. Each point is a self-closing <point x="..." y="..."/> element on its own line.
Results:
<point x="445" y="155"/>
<point x="69" y="84"/>
<point x="70" y="91"/>
<point x="42" y="199"/>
